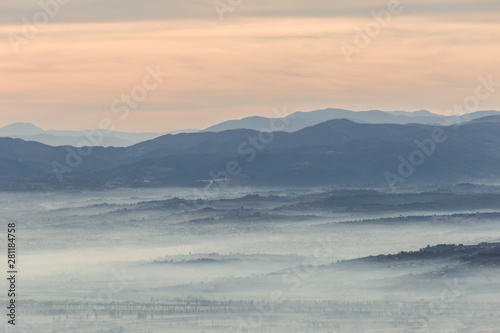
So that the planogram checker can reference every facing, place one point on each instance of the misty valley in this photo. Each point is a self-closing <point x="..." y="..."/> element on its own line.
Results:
<point x="232" y="166"/>
<point x="414" y="258"/>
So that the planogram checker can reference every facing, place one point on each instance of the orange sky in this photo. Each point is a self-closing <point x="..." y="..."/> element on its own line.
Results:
<point x="69" y="74"/>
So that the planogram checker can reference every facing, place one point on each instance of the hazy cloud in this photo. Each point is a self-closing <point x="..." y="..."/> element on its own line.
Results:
<point x="146" y="10"/>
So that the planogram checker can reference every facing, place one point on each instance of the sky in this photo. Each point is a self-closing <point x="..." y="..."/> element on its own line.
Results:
<point x="76" y="64"/>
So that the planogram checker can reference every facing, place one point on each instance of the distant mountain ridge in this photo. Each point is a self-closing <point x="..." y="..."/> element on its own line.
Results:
<point x="336" y="152"/>
<point x="299" y="120"/>
<point x="30" y="132"/>
<point x="294" y="122"/>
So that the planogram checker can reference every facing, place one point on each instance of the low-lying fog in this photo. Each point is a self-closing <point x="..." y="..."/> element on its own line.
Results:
<point x="163" y="244"/>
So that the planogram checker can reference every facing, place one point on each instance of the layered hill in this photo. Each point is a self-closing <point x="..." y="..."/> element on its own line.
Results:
<point x="336" y="152"/>
<point x="299" y="120"/>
